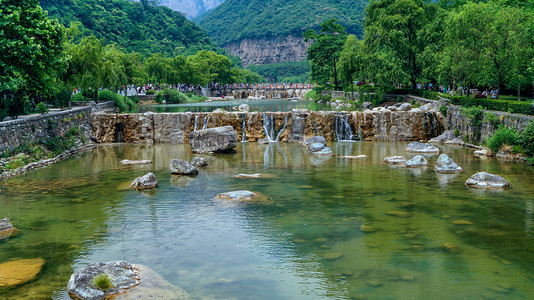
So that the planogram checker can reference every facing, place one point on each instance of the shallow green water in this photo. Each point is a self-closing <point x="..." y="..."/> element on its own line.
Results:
<point x="306" y="244"/>
<point x="255" y="105"/>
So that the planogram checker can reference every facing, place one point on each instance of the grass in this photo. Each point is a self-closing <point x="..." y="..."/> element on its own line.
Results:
<point x="102" y="281"/>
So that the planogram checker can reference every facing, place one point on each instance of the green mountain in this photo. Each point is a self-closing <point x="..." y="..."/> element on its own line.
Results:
<point x="235" y="20"/>
<point x="136" y="27"/>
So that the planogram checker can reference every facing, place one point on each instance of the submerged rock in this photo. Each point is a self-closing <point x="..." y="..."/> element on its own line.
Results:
<point x="395" y="160"/>
<point x="182" y="167"/>
<point x="487" y="181"/>
<point x="17" y="272"/>
<point x="199" y="162"/>
<point x="242" y="196"/>
<point x="446" y="165"/>
<point x="354" y="157"/>
<point x="323" y="151"/>
<point x="256" y="175"/>
<point x="450" y="247"/>
<point x="422" y="148"/>
<point x="218" y="139"/>
<point x="399" y="214"/>
<point x="127" y="162"/>
<point x="7" y="229"/>
<point x="147" y="181"/>
<point x="123" y="276"/>
<point x="416" y="161"/>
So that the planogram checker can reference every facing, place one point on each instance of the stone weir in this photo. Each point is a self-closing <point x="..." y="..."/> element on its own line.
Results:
<point x="292" y="126"/>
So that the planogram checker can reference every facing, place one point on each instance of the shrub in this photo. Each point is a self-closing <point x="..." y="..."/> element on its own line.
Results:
<point x="150" y="92"/>
<point x="122" y="102"/>
<point x="475" y="116"/>
<point x="499" y="105"/>
<point x="171" y="96"/>
<point x="312" y="94"/>
<point x="41" y="108"/>
<point x="492" y="119"/>
<point x="526" y="139"/>
<point x="80" y="98"/>
<point x="102" y="281"/>
<point x="502" y="136"/>
<point x="456" y="132"/>
<point x="443" y="109"/>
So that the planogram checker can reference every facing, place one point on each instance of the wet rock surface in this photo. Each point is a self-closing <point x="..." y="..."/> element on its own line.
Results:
<point x="242" y="196"/>
<point x="17" y="272"/>
<point x="220" y="139"/>
<point x="127" y="162"/>
<point x="395" y="160"/>
<point x="417" y="161"/>
<point x="147" y="181"/>
<point x="445" y="164"/>
<point x="199" y="162"/>
<point x="487" y="181"/>
<point x="315" y="140"/>
<point x="182" y="167"/>
<point x="447" y="135"/>
<point x="422" y="148"/>
<point x="7" y="229"/>
<point x="123" y="276"/>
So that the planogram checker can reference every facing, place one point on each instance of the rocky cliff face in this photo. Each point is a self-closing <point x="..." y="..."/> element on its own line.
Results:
<point x="191" y="8"/>
<point x="260" y="51"/>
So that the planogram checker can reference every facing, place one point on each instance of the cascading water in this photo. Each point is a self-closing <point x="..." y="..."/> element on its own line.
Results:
<point x="195" y="126"/>
<point x="244" y="130"/>
<point x="205" y="122"/>
<point x="359" y="133"/>
<point x="342" y="128"/>
<point x="270" y="130"/>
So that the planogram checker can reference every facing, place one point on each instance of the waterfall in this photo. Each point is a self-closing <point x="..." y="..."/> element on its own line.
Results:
<point x="270" y="128"/>
<point x="244" y="129"/>
<point x="205" y="122"/>
<point x="359" y="133"/>
<point x="342" y="128"/>
<point x="195" y="126"/>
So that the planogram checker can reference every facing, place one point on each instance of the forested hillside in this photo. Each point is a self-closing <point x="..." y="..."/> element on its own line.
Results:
<point x="135" y="26"/>
<point x="234" y="20"/>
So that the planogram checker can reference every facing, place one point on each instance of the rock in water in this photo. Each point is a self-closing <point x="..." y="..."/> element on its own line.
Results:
<point x="421" y="148"/>
<point x="17" y="272"/>
<point x="417" y="161"/>
<point x="486" y="180"/>
<point x="313" y="140"/>
<point x="148" y="181"/>
<point x="5" y="224"/>
<point x="199" y="162"/>
<point x="218" y="139"/>
<point x="316" y="147"/>
<point x="447" y="135"/>
<point x="242" y="196"/>
<point x="446" y="165"/>
<point x="127" y="162"/>
<point x="123" y="276"/>
<point x="182" y="167"/>
<point x="324" y="151"/>
<point x="395" y="160"/>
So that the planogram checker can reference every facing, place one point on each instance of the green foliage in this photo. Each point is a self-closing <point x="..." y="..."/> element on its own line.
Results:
<point x="475" y="115"/>
<point x="30" y="54"/>
<point x="456" y="132"/>
<point x="498" y="105"/>
<point x="279" y="72"/>
<point x="313" y="94"/>
<point x="324" y="52"/>
<point x="502" y="136"/>
<point x="138" y="28"/>
<point x="526" y="139"/>
<point x="170" y="96"/>
<point x="122" y="102"/>
<point x="234" y="20"/>
<point x="41" y="108"/>
<point x="102" y="281"/>
<point x="492" y="119"/>
<point x="443" y="109"/>
<point x="78" y="97"/>
<point x="150" y="92"/>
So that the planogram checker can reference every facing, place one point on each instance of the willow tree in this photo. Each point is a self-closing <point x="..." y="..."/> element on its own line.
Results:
<point x="325" y="50"/>
<point x="399" y="29"/>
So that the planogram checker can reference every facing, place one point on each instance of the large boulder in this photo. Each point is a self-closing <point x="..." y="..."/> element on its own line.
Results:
<point x="199" y="162"/>
<point x="445" y="164"/>
<point x="242" y="196"/>
<point x="314" y="140"/>
<point x="182" y="167"/>
<point x="421" y="148"/>
<point x="147" y="181"/>
<point x="447" y="135"/>
<point x="218" y="139"/>
<point x="405" y="107"/>
<point x="395" y="160"/>
<point x="123" y="276"/>
<point x="317" y="147"/>
<point x="417" y="161"/>
<point x="6" y="229"/>
<point x="485" y="180"/>
<point x="5" y="224"/>
<point x="17" y="272"/>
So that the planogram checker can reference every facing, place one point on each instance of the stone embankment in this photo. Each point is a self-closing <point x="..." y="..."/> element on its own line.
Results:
<point x="295" y="126"/>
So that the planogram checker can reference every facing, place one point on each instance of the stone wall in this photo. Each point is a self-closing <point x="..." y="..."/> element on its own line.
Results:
<point x="455" y="120"/>
<point x="32" y="128"/>
<point x="292" y="126"/>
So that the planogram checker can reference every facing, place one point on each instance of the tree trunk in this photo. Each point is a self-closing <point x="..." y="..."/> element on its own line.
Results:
<point x="519" y="92"/>
<point x="96" y="95"/>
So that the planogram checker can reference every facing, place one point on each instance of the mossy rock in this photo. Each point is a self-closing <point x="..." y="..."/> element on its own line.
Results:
<point x="17" y="272"/>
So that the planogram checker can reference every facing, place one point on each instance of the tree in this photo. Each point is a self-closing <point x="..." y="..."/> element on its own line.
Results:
<point x="30" y="53"/>
<point x="207" y="66"/>
<point x="352" y="61"/>
<point x="325" y="50"/>
<point x="400" y="28"/>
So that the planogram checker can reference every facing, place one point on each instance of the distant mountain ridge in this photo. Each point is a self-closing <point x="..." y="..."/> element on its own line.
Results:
<point x="190" y="8"/>
<point x="270" y="31"/>
<point x="145" y="30"/>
